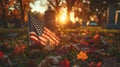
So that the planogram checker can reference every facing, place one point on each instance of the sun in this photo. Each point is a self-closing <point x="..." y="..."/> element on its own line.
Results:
<point x="62" y="16"/>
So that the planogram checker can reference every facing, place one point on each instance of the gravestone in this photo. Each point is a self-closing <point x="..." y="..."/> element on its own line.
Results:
<point x="118" y="18"/>
<point x="50" y="19"/>
<point x="113" y="18"/>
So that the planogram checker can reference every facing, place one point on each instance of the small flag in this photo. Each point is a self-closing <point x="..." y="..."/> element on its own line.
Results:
<point x="39" y="33"/>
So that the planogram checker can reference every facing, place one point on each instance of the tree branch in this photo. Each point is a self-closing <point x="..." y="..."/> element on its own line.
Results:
<point x="51" y="3"/>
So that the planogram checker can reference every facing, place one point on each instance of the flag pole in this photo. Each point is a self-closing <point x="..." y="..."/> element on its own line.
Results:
<point x="29" y="28"/>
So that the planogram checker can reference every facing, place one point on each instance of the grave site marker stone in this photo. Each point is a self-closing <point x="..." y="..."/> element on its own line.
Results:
<point x="113" y="18"/>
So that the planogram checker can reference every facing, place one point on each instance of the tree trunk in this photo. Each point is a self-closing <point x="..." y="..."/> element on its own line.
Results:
<point x="4" y="23"/>
<point x="69" y="23"/>
<point x="22" y="11"/>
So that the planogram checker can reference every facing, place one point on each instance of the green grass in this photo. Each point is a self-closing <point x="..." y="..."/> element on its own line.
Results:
<point x="23" y="32"/>
<point x="99" y="29"/>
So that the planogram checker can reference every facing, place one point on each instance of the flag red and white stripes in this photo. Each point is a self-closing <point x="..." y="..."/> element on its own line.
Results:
<point x="43" y="39"/>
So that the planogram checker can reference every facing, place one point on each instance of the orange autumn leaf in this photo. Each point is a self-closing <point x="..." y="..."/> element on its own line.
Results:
<point x="19" y="49"/>
<point x="23" y="47"/>
<point x="82" y="56"/>
<point x="96" y="38"/>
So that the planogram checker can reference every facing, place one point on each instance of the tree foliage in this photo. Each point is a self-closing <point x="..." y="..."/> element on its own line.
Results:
<point x="14" y="9"/>
<point x="57" y="4"/>
<point x="102" y="4"/>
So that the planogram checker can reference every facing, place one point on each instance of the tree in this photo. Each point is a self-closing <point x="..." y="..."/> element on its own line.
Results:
<point x="101" y="4"/>
<point x="56" y="4"/>
<point x="82" y="10"/>
<point x="9" y="6"/>
<point x="4" y="6"/>
<point x="24" y="8"/>
<point x="70" y="4"/>
<point x="99" y="7"/>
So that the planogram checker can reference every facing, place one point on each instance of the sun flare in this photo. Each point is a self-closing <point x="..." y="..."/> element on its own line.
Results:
<point x="62" y="17"/>
<point x="72" y="18"/>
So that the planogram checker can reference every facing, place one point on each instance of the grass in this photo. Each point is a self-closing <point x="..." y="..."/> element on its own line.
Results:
<point x="25" y="29"/>
<point x="99" y="29"/>
<point x="23" y="32"/>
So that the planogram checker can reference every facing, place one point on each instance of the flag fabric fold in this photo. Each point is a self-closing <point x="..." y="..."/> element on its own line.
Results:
<point x="39" y="33"/>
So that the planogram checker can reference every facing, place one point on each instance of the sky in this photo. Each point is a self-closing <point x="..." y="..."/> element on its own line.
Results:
<point x="39" y="6"/>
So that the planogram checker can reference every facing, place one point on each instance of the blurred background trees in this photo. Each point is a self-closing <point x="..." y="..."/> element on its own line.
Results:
<point x="14" y="12"/>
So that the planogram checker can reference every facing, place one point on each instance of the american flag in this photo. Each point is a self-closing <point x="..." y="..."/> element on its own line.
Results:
<point x="39" y="33"/>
